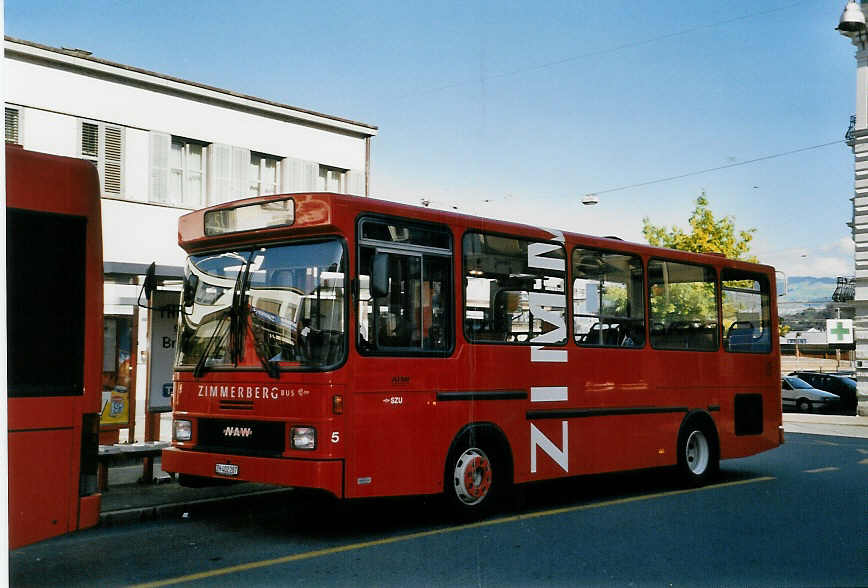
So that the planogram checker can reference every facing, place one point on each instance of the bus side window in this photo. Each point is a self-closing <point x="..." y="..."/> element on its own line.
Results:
<point x="683" y="303"/>
<point x="514" y="291"/>
<point x="746" y="312"/>
<point x="608" y="302"/>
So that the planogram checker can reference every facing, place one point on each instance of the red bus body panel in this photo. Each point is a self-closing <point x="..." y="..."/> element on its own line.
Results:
<point x="45" y="433"/>
<point x="399" y="420"/>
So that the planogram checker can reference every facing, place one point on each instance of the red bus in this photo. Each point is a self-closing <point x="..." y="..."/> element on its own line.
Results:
<point x="367" y="348"/>
<point x="54" y="297"/>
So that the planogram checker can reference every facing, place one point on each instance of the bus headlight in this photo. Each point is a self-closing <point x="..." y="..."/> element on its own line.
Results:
<point x="303" y="438"/>
<point x="183" y="430"/>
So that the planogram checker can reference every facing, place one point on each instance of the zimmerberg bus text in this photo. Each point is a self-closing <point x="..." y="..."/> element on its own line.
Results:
<point x="250" y="392"/>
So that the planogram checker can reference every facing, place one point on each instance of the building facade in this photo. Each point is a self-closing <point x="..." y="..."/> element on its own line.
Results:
<point x="164" y="146"/>
<point x="852" y="25"/>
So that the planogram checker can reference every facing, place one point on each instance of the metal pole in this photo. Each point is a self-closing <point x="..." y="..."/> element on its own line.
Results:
<point x="838" y="349"/>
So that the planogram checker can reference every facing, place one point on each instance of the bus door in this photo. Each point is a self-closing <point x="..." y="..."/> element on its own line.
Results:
<point x="404" y="337"/>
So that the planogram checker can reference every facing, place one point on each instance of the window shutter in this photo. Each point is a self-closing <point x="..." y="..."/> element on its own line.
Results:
<point x="291" y="175"/>
<point x="240" y="165"/>
<point x="159" y="190"/>
<point x="310" y="176"/>
<point x="89" y="140"/>
<point x="356" y="182"/>
<point x="12" y="125"/>
<point x="112" y="176"/>
<point x="297" y="175"/>
<point x="220" y="178"/>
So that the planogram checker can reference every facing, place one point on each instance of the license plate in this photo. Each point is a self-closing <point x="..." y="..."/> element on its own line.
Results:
<point x="226" y="469"/>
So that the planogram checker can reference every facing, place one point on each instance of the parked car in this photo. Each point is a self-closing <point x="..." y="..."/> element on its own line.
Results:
<point x="843" y="386"/>
<point x="797" y="394"/>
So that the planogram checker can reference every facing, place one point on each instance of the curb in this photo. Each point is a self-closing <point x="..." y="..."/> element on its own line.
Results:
<point x="173" y="509"/>
<point x="825" y="419"/>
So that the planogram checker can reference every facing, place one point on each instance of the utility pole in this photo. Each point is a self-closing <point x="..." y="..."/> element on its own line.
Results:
<point x="837" y="349"/>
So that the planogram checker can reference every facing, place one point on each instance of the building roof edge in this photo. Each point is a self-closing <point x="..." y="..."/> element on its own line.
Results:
<point x="236" y="97"/>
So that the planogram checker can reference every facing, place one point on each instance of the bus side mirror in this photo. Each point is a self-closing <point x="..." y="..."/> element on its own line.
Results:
<point x="149" y="285"/>
<point x="191" y="284"/>
<point x="380" y="275"/>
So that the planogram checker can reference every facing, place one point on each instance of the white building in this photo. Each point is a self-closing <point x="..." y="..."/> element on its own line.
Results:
<point x="164" y="146"/>
<point x="852" y="25"/>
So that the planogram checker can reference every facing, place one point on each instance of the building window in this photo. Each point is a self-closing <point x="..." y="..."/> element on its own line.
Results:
<point x="187" y="171"/>
<point x="103" y="145"/>
<point x="13" y="125"/>
<point x="264" y="174"/>
<point x="331" y="179"/>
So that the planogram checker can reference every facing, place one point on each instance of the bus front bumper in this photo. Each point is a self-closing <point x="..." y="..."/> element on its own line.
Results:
<point x="325" y="475"/>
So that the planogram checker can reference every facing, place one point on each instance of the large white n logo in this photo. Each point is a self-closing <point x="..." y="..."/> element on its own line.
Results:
<point x="535" y="252"/>
<point x="538" y="439"/>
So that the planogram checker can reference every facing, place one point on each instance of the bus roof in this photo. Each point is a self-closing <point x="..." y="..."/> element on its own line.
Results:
<point x="318" y="213"/>
<point x="51" y="183"/>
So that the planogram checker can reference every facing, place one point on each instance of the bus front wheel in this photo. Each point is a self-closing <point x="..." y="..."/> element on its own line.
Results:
<point x="473" y="478"/>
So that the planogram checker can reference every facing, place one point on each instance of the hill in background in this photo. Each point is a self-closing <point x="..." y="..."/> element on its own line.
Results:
<point x="806" y="292"/>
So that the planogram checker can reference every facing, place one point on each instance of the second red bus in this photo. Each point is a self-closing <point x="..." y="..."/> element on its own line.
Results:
<point x="54" y="298"/>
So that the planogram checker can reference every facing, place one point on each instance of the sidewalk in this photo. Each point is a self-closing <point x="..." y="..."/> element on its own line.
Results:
<point x="127" y="501"/>
<point x="822" y="424"/>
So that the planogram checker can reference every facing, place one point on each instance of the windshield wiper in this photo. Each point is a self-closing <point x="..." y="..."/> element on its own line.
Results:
<point x="260" y="346"/>
<point x="214" y="341"/>
<point x="238" y="322"/>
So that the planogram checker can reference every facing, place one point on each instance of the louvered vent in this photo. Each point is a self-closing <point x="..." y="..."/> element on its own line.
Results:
<point x="89" y="140"/>
<point x="12" y="130"/>
<point x="113" y="160"/>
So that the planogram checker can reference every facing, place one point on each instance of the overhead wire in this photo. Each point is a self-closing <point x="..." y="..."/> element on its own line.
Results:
<point x="598" y="52"/>
<point x="717" y="168"/>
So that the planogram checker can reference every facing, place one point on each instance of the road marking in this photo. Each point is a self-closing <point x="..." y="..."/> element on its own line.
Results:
<point x="820" y="470"/>
<point x="411" y="536"/>
<point x="829" y="443"/>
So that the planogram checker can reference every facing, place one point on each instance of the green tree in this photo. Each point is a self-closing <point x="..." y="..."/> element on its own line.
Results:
<point x="707" y="234"/>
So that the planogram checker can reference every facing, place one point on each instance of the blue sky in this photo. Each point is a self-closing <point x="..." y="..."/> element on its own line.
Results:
<point x="516" y="109"/>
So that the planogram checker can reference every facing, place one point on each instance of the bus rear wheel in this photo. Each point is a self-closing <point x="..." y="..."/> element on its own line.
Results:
<point x="698" y="455"/>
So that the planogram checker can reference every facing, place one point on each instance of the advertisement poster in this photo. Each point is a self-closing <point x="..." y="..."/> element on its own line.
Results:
<point x="115" y="408"/>
<point x="116" y="372"/>
<point x="164" y="324"/>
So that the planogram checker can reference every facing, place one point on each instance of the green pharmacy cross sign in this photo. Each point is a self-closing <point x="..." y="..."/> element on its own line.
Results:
<point x="839" y="331"/>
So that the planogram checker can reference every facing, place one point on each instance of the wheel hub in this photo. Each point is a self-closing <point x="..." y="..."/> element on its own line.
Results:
<point x="473" y="475"/>
<point x="697" y="452"/>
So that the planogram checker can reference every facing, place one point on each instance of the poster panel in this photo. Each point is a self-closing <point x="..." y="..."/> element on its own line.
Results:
<point x="164" y="325"/>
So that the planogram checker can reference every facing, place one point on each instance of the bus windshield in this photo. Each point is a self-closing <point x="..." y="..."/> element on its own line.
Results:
<point x="289" y="299"/>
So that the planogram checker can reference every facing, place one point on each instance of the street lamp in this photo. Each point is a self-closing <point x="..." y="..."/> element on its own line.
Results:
<point x="852" y="19"/>
<point x="590" y="199"/>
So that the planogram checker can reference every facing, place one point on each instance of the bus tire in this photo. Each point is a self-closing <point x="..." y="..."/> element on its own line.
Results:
<point x="698" y="451"/>
<point x="476" y="476"/>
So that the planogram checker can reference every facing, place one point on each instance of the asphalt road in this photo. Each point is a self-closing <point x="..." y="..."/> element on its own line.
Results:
<point x="796" y="516"/>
